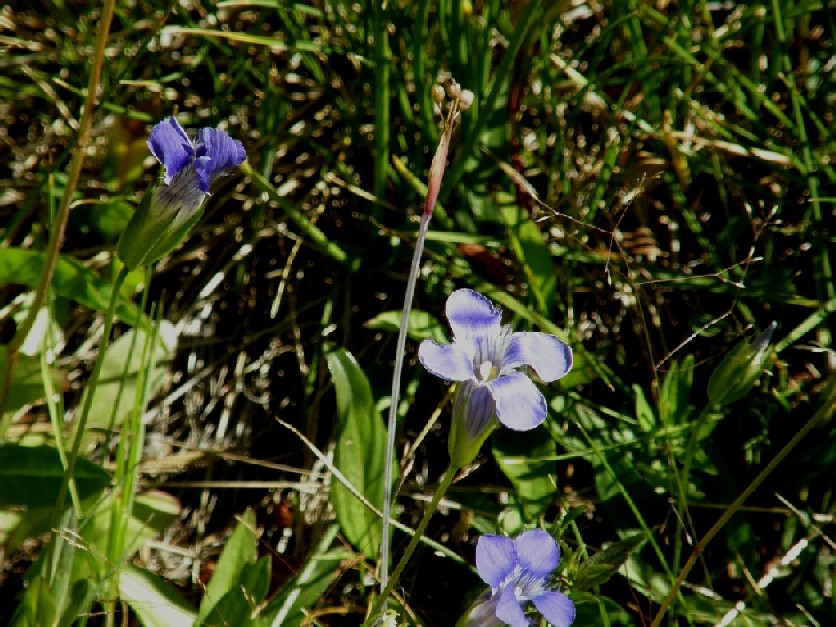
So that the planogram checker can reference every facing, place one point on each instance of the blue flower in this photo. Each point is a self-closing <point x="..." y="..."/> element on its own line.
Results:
<point x="172" y="209"/>
<point x="486" y="358"/>
<point x="518" y="571"/>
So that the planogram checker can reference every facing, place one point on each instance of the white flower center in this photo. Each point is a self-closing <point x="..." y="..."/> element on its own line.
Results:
<point x="486" y="371"/>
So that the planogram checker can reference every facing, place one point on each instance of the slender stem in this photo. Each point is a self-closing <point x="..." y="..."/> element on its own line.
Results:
<point x="88" y="396"/>
<point x="445" y="482"/>
<point x="825" y="411"/>
<point x="391" y="427"/>
<point x="57" y="234"/>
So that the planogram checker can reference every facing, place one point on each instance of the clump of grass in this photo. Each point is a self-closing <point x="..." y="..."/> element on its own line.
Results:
<point x="649" y="183"/>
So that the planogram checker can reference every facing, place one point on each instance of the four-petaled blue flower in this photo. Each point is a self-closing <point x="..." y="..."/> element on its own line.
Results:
<point x="486" y="358"/>
<point x="167" y="214"/>
<point x="190" y="168"/>
<point x="518" y="571"/>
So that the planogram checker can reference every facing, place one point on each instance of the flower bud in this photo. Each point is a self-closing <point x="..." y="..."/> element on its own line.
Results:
<point x="437" y="93"/>
<point x="737" y="373"/>
<point x="465" y="100"/>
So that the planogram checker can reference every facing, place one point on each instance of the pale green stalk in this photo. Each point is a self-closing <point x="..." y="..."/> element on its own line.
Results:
<point x="88" y="397"/>
<point x="433" y="185"/>
<point x="128" y="458"/>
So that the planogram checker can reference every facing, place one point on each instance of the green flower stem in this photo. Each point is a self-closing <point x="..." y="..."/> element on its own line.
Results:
<point x="443" y="485"/>
<point x="68" y="482"/>
<point x="317" y="238"/>
<point x="59" y="227"/>
<point x="825" y="412"/>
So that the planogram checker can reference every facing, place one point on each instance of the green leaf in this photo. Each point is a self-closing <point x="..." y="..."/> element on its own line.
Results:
<point x="421" y="325"/>
<point x="31" y="476"/>
<point x="152" y="598"/>
<point x="604" y="564"/>
<point x="26" y="383"/>
<point x="359" y="452"/>
<point x="675" y="392"/>
<point x="240" y="551"/>
<point x="71" y="280"/>
<point x="79" y="603"/>
<point x="239" y="606"/>
<point x="644" y="412"/>
<point x="287" y="607"/>
<point x="527" y="459"/>
<point x="116" y="388"/>
<point x="152" y="513"/>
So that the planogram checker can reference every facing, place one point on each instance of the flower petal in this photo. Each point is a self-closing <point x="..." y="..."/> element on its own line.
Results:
<point x="519" y="404"/>
<point x="556" y="607"/>
<point x="508" y="608"/>
<point x="548" y="356"/>
<point x="216" y="152"/>
<point x="479" y="411"/>
<point x="472" y="315"/>
<point x="537" y="552"/>
<point x="169" y="143"/>
<point x="446" y="361"/>
<point x="495" y="559"/>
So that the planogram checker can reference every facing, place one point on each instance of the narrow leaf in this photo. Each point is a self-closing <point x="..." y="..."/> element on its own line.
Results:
<point x="359" y="452"/>
<point x="154" y="601"/>
<point x="31" y="476"/>
<point x="240" y="551"/>
<point x="606" y="563"/>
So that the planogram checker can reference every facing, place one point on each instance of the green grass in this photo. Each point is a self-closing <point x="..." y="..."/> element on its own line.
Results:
<point x="653" y="184"/>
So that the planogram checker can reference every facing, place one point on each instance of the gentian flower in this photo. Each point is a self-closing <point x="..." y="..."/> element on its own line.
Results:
<point x="173" y="208"/>
<point x="486" y="358"/>
<point x="518" y="571"/>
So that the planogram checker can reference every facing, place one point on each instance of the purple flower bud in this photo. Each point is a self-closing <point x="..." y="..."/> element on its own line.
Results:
<point x="171" y="209"/>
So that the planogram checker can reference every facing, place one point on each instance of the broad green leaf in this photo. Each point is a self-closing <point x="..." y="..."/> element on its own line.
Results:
<point x="359" y="453"/>
<point x="421" y="325"/>
<point x="239" y="552"/>
<point x="644" y="412"/>
<point x="239" y="606"/>
<point x="604" y="564"/>
<point x="155" y="602"/>
<point x="527" y="459"/>
<point x="71" y="280"/>
<point x="152" y="513"/>
<point x="31" y="476"/>
<point x="674" y="408"/>
<point x="26" y="384"/>
<point x="533" y="255"/>
<point x="286" y="608"/>
<point x="116" y="389"/>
